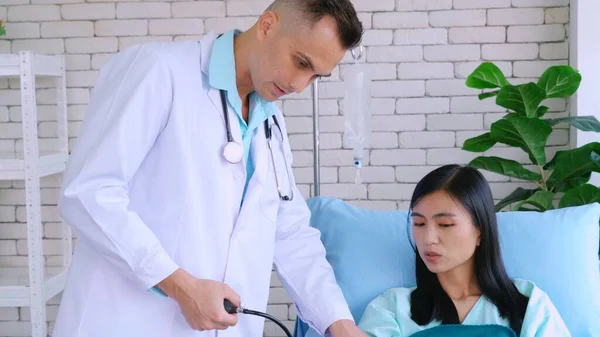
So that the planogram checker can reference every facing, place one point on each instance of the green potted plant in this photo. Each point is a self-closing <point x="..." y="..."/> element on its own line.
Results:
<point x="561" y="181"/>
<point x="2" y="28"/>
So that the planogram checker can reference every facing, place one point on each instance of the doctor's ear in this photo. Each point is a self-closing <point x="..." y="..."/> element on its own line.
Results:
<point x="267" y="23"/>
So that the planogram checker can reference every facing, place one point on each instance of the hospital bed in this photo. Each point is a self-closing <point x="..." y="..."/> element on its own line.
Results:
<point x="370" y="252"/>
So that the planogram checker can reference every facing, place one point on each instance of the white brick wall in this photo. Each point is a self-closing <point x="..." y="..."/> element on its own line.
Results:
<point x="419" y="51"/>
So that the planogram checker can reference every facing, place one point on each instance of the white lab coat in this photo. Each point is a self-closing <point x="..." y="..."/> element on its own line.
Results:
<point x="147" y="190"/>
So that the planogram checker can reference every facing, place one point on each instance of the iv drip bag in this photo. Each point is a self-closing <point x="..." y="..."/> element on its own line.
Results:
<point x="357" y="110"/>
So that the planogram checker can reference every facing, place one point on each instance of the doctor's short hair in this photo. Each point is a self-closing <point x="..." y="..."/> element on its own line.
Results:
<point x="350" y="28"/>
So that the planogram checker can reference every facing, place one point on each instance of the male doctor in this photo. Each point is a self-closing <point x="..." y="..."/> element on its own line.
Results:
<point x="180" y="183"/>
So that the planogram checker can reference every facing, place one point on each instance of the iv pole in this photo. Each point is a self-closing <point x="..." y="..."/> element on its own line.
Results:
<point x="317" y="163"/>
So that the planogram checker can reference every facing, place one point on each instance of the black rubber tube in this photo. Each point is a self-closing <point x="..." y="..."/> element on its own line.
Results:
<point x="267" y="316"/>
<point x="232" y="309"/>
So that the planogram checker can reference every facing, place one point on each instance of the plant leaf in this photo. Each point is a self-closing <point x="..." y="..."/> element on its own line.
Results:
<point x="527" y="209"/>
<point x="480" y="143"/>
<point x="542" y="200"/>
<point x="488" y="94"/>
<point x="581" y="195"/>
<point x="573" y="163"/>
<point x="583" y="123"/>
<point x="505" y="167"/>
<point x="486" y="76"/>
<point x="541" y="111"/>
<point x="572" y="182"/>
<point x="560" y="81"/>
<point x="595" y="157"/>
<point x="518" y="194"/>
<point x="523" y="99"/>
<point x="552" y="162"/>
<point x="530" y="134"/>
<point x="568" y="184"/>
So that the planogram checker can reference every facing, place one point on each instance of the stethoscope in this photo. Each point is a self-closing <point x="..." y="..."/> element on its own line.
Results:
<point x="234" y="151"/>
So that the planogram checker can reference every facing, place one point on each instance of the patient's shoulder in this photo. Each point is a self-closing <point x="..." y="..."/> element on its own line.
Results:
<point x="399" y="293"/>
<point x="390" y="306"/>
<point x="538" y="299"/>
<point x="528" y="288"/>
<point x="389" y="314"/>
<point x="394" y="299"/>
<point x="541" y="316"/>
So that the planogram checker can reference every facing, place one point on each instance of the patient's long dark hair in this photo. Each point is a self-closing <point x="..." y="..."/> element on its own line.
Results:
<point x="429" y="301"/>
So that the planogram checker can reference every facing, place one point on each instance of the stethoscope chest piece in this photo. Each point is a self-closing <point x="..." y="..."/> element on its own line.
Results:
<point x="233" y="152"/>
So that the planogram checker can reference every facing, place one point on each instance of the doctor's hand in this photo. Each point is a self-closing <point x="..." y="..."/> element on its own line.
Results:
<point x="201" y="301"/>
<point x="344" y="328"/>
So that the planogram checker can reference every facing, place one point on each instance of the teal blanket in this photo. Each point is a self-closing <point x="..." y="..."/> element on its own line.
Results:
<point x="451" y="330"/>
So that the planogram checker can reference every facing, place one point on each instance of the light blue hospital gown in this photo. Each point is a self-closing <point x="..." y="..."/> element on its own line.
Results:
<point x="388" y="315"/>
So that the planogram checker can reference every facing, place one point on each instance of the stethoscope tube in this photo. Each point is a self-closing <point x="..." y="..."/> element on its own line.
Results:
<point x="233" y="151"/>
<point x="232" y="309"/>
<point x="226" y="115"/>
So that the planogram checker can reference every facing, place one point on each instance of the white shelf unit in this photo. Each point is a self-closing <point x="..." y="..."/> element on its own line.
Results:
<point x="34" y="285"/>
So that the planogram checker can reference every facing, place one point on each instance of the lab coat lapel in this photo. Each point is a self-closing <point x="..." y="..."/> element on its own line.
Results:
<point x="206" y="44"/>
<point x="238" y="170"/>
<point x="215" y="99"/>
<point x="259" y="150"/>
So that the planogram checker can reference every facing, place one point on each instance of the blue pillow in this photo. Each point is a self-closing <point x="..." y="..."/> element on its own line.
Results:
<point x="370" y="252"/>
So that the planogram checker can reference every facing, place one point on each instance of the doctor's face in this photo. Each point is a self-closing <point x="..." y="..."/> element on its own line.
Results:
<point x="288" y="60"/>
<point x="444" y="232"/>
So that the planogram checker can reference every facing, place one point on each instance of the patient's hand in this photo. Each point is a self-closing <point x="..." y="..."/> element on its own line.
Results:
<point x="344" y="328"/>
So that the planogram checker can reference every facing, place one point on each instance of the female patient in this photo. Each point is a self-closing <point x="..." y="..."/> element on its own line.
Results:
<point x="459" y="271"/>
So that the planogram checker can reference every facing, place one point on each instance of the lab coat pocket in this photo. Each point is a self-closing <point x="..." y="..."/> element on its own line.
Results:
<point x="117" y="307"/>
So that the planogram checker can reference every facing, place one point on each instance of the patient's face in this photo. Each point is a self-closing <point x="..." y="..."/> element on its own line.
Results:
<point x="444" y="233"/>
